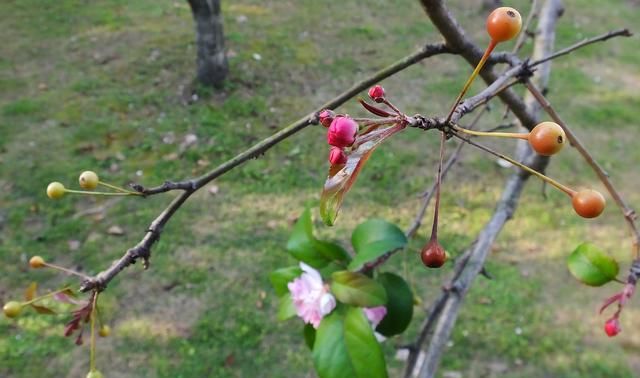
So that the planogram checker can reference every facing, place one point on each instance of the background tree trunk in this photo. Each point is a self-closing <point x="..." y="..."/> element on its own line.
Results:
<point x="211" y="60"/>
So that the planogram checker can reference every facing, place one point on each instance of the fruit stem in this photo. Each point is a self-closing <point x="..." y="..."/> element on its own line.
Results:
<point x="45" y="296"/>
<point x="570" y="192"/>
<point x="101" y="193"/>
<point x="476" y="71"/>
<point x="92" y="352"/>
<point x="434" y="229"/>
<point x="66" y="270"/>
<point x="117" y="188"/>
<point x="524" y="136"/>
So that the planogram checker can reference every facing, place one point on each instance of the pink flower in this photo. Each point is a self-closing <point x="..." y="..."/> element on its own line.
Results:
<point x="342" y="132"/>
<point x="376" y="93"/>
<point x="375" y="316"/>
<point x="337" y="156"/>
<point x="310" y="296"/>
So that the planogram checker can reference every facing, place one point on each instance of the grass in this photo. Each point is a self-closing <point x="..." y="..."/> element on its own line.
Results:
<point x="99" y="86"/>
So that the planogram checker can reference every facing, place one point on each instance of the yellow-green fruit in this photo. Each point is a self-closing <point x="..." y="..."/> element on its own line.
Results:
<point x="94" y="374"/>
<point x="55" y="190"/>
<point x="12" y="309"/>
<point x="88" y="180"/>
<point x="104" y="331"/>
<point x="36" y="262"/>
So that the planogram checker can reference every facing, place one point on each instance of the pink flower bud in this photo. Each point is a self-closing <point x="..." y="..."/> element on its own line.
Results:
<point x="337" y="156"/>
<point x="326" y="117"/>
<point x="342" y="132"/>
<point x="612" y="327"/>
<point x="376" y="93"/>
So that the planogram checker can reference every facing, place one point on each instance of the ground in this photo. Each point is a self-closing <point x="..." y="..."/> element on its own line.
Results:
<point x="106" y="86"/>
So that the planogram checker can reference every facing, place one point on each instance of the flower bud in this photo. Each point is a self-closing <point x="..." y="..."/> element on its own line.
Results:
<point x="337" y="156"/>
<point x="326" y="117"/>
<point x="342" y="132"/>
<point x="376" y="93"/>
<point x="612" y="327"/>
<point x="433" y="255"/>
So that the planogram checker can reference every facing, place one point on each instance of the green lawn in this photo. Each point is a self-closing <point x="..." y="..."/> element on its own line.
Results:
<point x="100" y="86"/>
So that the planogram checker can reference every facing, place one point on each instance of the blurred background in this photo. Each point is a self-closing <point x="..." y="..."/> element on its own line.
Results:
<point x="107" y="86"/>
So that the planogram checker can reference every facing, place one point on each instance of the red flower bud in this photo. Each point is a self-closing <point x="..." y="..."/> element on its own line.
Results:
<point x="376" y="93"/>
<point x="326" y="117"/>
<point x="337" y="156"/>
<point x="342" y="132"/>
<point x="433" y="255"/>
<point x="612" y="327"/>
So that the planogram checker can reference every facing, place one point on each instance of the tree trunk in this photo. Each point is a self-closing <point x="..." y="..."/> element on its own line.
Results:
<point x="212" y="60"/>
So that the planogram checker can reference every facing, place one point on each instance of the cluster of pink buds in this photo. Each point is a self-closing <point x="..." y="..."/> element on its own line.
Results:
<point x="342" y="129"/>
<point x="342" y="133"/>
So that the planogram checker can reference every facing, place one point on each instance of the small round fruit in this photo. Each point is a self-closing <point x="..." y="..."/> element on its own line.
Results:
<point x="612" y="327"/>
<point x="36" y="262"/>
<point x="55" y="190"/>
<point x="104" y="331"/>
<point x="12" y="309"/>
<point x="94" y="374"/>
<point x="88" y="180"/>
<point x="433" y="255"/>
<point x="588" y="203"/>
<point x="503" y="24"/>
<point x="547" y="138"/>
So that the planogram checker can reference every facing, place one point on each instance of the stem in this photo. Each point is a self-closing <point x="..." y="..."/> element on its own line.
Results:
<point x="476" y="71"/>
<point x="101" y="193"/>
<point x="92" y="350"/>
<point x="66" y="270"/>
<point x="117" y="188"/>
<point x="570" y="192"/>
<point x="434" y="229"/>
<point x="45" y="296"/>
<point x="524" y="136"/>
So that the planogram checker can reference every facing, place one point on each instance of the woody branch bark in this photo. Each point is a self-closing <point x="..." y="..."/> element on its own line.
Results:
<point x="425" y="356"/>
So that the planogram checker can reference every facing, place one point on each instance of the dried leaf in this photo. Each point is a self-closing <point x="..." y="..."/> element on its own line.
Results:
<point x="30" y="293"/>
<point x="342" y="177"/>
<point x="43" y="310"/>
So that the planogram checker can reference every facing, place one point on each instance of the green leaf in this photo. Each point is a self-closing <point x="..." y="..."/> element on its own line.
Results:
<point x="303" y="246"/>
<point x="357" y="289"/>
<point x="330" y="355"/>
<point x="342" y="177"/>
<point x="363" y="348"/>
<point x="281" y="277"/>
<point x="309" y="335"/>
<point x="399" y="306"/>
<point x="373" y="239"/>
<point x="592" y="266"/>
<point x="332" y="251"/>
<point x="286" y="309"/>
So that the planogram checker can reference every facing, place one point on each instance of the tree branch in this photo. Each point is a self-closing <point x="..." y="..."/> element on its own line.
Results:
<point x="143" y="248"/>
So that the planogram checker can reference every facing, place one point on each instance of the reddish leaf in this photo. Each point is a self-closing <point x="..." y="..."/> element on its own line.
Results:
<point x="43" y="310"/>
<point x="30" y="293"/>
<point x="374" y="109"/>
<point x="342" y="177"/>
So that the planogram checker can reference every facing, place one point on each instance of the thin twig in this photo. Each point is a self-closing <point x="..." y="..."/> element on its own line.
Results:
<point x="603" y="37"/>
